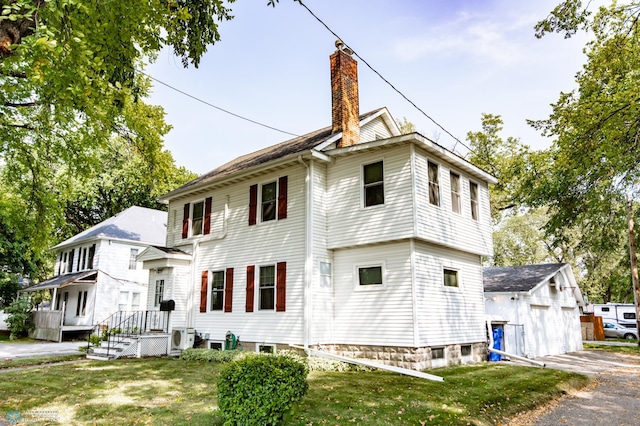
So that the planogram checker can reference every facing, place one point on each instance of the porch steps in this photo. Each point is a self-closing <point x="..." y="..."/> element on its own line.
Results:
<point x="106" y="353"/>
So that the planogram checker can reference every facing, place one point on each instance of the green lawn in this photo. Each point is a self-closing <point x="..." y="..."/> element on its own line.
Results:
<point x="175" y="392"/>
<point x="632" y="350"/>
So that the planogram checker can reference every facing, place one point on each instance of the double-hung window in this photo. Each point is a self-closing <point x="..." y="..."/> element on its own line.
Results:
<point x="268" y="201"/>
<point x="434" y="184"/>
<point x="217" y="291"/>
<point x="133" y="264"/>
<point x="267" y="288"/>
<point x="373" y="178"/>
<point x="473" y="196"/>
<point x="197" y="218"/>
<point x="455" y="192"/>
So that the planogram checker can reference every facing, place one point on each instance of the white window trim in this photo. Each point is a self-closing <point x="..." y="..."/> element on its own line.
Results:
<point x="320" y="275"/>
<point x="459" y="192"/>
<point x="210" y="290"/>
<point x="256" y="299"/>
<point x="275" y="180"/>
<point x="449" y="288"/>
<point x="439" y="166"/>
<point x="477" y="202"/>
<point x="384" y="181"/>
<point x="356" y="276"/>
<point x="164" y="288"/>
<point x="272" y="345"/>
<point x="192" y="205"/>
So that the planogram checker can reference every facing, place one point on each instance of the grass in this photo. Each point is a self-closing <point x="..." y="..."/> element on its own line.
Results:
<point x="632" y="350"/>
<point x="37" y="360"/>
<point x="176" y="392"/>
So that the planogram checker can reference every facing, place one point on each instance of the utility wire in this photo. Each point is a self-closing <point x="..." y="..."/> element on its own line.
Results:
<point x="214" y="106"/>
<point x="458" y="141"/>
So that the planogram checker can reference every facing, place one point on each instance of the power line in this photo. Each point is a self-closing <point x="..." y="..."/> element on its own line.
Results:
<point x="458" y="141"/>
<point x="214" y="106"/>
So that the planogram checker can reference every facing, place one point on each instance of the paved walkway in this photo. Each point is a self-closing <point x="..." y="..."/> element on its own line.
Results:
<point x="23" y="350"/>
<point x="613" y="399"/>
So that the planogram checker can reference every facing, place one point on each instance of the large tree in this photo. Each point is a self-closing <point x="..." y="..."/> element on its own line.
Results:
<point x="70" y="91"/>
<point x="596" y="130"/>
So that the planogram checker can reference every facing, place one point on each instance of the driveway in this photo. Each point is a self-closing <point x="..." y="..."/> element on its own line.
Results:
<point x="22" y="350"/>
<point x="612" y="399"/>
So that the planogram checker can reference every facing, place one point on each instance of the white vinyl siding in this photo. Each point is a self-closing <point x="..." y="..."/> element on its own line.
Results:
<point x="447" y="315"/>
<point x="241" y="246"/>
<point x="383" y="317"/>
<point x="442" y="226"/>
<point x="349" y="223"/>
<point x="375" y="129"/>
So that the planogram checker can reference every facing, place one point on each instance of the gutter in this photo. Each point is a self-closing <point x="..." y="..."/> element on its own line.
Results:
<point x="496" y="351"/>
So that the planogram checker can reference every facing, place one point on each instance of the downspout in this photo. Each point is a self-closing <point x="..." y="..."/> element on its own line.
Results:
<point x="496" y="351"/>
<point x="308" y="247"/>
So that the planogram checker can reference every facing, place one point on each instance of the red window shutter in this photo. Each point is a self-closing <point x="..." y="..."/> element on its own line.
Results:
<point x="251" y="274"/>
<point x="185" y="221"/>
<point x="228" y="290"/>
<point x="253" y="204"/>
<point x="281" y="286"/>
<point x="206" y="229"/>
<point x="204" y="287"/>
<point x="282" y="197"/>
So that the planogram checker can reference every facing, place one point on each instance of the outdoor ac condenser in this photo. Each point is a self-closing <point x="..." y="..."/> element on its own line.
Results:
<point x="182" y="338"/>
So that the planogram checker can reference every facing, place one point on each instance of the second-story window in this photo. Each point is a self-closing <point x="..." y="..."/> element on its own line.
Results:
<point x="434" y="184"/>
<point x="455" y="192"/>
<point x="133" y="264"/>
<point x="373" y="178"/>
<point x="473" y="196"/>
<point x="196" y="218"/>
<point x="268" y="201"/>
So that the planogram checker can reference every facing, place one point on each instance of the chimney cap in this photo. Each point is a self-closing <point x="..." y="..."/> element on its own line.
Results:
<point x="343" y="47"/>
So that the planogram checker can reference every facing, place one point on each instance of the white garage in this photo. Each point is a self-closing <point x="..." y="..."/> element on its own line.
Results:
<point x="540" y="306"/>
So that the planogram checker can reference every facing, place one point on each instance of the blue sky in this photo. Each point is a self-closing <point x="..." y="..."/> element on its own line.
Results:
<point x="455" y="59"/>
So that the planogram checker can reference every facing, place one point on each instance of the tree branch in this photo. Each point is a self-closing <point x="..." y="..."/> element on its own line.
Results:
<point x="19" y="105"/>
<point x="15" y="74"/>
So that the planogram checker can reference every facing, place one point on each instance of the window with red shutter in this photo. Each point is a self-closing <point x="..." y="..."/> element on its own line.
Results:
<point x="204" y="284"/>
<point x="253" y="204"/>
<point x="251" y="274"/>
<point x="228" y="290"/>
<point x="281" y="286"/>
<point x="207" y="216"/>
<point x="282" y="197"/>
<point x="185" y="221"/>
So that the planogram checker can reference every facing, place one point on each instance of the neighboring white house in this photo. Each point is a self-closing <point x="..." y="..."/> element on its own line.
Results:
<point x="97" y="274"/>
<point x="353" y="238"/>
<point x="538" y="306"/>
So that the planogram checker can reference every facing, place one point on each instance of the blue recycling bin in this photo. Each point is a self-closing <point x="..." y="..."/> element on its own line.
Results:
<point x="497" y="344"/>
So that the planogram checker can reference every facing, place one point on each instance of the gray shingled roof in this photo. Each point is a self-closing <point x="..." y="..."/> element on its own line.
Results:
<point x="274" y="152"/>
<point x="62" y="280"/>
<point x="135" y="223"/>
<point x="518" y="278"/>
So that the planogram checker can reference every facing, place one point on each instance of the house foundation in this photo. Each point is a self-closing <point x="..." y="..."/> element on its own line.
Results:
<point x="422" y="358"/>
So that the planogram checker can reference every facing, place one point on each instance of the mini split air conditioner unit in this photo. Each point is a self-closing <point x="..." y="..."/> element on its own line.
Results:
<point x="182" y="338"/>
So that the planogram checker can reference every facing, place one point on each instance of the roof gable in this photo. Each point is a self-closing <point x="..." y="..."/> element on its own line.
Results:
<point x="137" y="224"/>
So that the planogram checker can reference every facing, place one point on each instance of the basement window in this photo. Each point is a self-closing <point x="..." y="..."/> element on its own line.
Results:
<point x="266" y="349"/>
<point x="437" y="353"/>
<point x="215" y="345"/>
<point x="465" y="350"/>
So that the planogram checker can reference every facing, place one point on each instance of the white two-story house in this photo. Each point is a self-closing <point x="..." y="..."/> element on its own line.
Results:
<point x="353" y="239"/>
<point x="97" y="274"/>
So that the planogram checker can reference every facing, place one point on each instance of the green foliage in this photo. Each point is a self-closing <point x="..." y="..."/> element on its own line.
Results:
<point x="210" y="355"/>
<point x="260" y="389"/>
<point x="69" y="86"/>
<point x="595" y="157"/>
<point x="9" y="287"/>
<point x="19" y="319"/>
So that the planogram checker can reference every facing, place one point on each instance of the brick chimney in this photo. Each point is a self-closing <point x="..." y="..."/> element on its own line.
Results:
<point x="345" y="110"/>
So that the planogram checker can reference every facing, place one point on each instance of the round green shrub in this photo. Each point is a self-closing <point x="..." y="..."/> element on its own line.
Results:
<point x="260" y="389"/>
